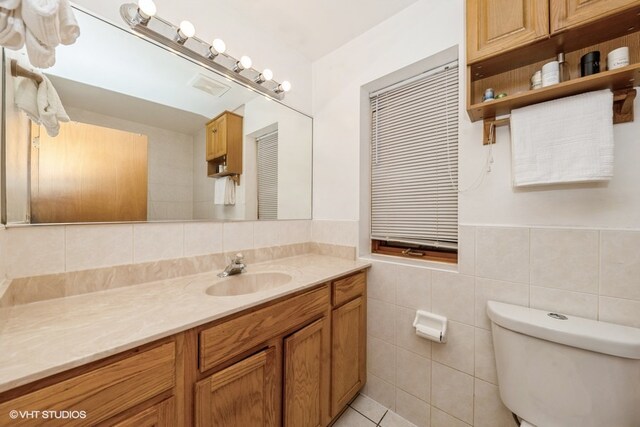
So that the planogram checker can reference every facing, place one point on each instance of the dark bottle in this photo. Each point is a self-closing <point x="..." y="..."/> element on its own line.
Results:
<point x="590" y="64"/>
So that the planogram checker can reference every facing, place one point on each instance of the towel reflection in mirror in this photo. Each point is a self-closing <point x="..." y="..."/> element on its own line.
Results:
<point x="41" y="25"/>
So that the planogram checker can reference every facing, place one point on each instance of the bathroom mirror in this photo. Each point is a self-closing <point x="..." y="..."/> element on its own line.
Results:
<point x="136" y="147"/>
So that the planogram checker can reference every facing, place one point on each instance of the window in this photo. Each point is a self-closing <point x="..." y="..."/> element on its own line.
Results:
<point x="414" y="166"/>
<point x="268" y="176"/>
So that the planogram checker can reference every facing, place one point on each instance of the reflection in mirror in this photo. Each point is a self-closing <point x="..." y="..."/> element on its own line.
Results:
<point x="152" y="136"/>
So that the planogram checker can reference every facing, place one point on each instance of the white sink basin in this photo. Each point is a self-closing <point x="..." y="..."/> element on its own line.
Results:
<point x="248" y="283"/>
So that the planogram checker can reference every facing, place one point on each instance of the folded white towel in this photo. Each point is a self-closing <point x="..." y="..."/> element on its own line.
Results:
<point x="11" y="29"/>
<point x="9" y="4"/>
<point x="230" y="191"/>
<point x="219" y="190"/>
<point x="565" y="140"/>
<point x="41" y="18"/>
<point x="50" y="108"/>
<point x="40" y="56"/>
<point x="69" y="29"/>
<point x="26" y="97"/>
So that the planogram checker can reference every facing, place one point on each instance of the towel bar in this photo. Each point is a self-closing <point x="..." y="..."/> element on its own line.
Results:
<point x="622" y="113"/>
<point x="18" y="71"/>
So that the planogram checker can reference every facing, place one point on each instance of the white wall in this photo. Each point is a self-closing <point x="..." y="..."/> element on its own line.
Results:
<point x="169" y="162"/>
<point x="294" y="153"/>
<point x="212" y="19"/>
<point x="419" y="31"/>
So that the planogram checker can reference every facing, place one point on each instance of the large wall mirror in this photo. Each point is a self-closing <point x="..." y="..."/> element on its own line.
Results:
<point x="152" y="136"/>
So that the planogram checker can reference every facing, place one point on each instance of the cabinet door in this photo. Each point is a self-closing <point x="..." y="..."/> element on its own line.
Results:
<point x="495" y="26"/>
<point x="306" y="376"/>
<point x="243" y="394"/>
<point x="348" y="347"/>
<point x="220" y="137"/>
<point x="569" y="13"/>
<point x="211" y="135"/>
<point x="159" y="415"/>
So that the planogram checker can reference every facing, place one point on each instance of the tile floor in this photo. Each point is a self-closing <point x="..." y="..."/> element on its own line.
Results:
<point x="365" y="412"/>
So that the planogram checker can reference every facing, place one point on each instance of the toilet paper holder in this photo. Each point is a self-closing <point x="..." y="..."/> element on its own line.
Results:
<point x="431" y="326"/>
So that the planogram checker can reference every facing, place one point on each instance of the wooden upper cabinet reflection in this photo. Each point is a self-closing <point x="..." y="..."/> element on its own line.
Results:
<point x="496" y="26"/>
<point x="570" y="13"/>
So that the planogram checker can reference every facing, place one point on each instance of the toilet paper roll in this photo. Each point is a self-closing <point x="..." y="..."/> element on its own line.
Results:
<point x="429" y="333"/>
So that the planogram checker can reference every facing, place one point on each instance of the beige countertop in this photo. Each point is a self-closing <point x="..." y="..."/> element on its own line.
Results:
<point x="47" y="337"/>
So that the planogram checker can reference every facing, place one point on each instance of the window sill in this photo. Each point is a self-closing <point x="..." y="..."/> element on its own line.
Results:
<point x="408" y="262"/>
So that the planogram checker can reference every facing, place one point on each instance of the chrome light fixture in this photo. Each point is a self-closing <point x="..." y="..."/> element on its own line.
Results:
<point x="265" y="76"/>
<point x="142" y="19"/>
<point x="185" y="31"/>
<point x="146" y="10"/>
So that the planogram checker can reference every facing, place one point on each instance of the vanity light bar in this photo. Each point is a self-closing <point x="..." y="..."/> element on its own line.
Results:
<point x="182" y="39"/>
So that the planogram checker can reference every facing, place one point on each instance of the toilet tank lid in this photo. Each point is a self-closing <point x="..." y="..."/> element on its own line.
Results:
<point x="587" y="334"/>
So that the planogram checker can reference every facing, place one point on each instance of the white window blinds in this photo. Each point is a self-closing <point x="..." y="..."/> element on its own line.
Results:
<point x="414" y="160"/>
<point x="268" y="176"/>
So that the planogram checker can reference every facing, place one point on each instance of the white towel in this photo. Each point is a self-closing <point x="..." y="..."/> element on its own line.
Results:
<point x="26" y="98"/>
<point x="41" y="18"/>
<point x="11" y="29"/>
<point x="40" y="56"/>
<point x="50" y="109"/>
<point x="565" y="140"/>
<point x="218" y="195"/>
<point x="69" y="29"/>
<point x="9" y="4"/>
<point x="230" y="192"/>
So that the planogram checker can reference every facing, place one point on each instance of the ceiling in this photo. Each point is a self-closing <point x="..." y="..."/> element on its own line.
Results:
<point x="312" y="27"/>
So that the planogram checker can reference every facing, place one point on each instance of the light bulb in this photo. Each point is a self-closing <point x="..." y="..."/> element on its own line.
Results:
<point x="187" y="29"/>
<point x="245" y="61"/>
<point x="285" y="86"/>
<point x="267" y="74"/>
<point x="218" y="45"/>
<point x="147" y="7"/>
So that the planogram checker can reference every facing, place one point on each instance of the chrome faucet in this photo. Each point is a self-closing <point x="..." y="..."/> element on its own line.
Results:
<point x="237" y="266"/>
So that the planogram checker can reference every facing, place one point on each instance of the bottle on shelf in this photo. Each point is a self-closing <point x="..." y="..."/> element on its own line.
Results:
<point x="565" y="75"/>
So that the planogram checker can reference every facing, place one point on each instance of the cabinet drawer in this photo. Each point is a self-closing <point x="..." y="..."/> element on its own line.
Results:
<point x="103" y="392"/>
<point x="348" y="288"/>
<point x="233" y="337"/>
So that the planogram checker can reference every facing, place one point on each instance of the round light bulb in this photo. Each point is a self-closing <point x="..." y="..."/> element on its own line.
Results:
<point x="286" y="86"/>
<point x="267" y="74"/>
<point x="187" y="29"/>
<point x="147" y="8"/>
<point x="246" y="62"/>
<point x="219" y="46"/>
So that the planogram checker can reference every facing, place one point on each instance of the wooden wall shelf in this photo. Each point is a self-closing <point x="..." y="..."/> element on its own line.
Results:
<point x="622" y="78"/>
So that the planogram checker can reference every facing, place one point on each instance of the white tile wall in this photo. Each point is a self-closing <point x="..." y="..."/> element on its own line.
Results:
<point x="587" y="273"/>
<point x="109" y="245"/>
<point x="38" y="250"/>
<point x="3" y="253"/>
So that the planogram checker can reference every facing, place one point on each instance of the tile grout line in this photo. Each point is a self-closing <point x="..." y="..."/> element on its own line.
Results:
<point x="383" y="415"/>
<point x="350" y="406"/>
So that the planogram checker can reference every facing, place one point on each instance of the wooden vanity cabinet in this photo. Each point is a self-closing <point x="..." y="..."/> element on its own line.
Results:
<point x="224" y="144"/>
<point x="244" y="394"/>
<point x="307" y="375"/>
<point x="159" y="415"/>
<point x="570" y="13"/>
<point x="296" y="362"/>
<point x="495" y="26"/>
<point x="348" y="340"/>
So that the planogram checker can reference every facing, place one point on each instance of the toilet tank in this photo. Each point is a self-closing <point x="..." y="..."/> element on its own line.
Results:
<point x="565" y="371"/>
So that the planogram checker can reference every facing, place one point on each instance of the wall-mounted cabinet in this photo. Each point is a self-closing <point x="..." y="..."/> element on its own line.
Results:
<point x="570" y="13"/>
<point x="506" y="46"/>
<point x="495" y="26"/>
<point x="224" y="145"/>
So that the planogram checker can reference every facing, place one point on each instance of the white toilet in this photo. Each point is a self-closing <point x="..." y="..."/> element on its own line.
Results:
<point x="565" y="371"/>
